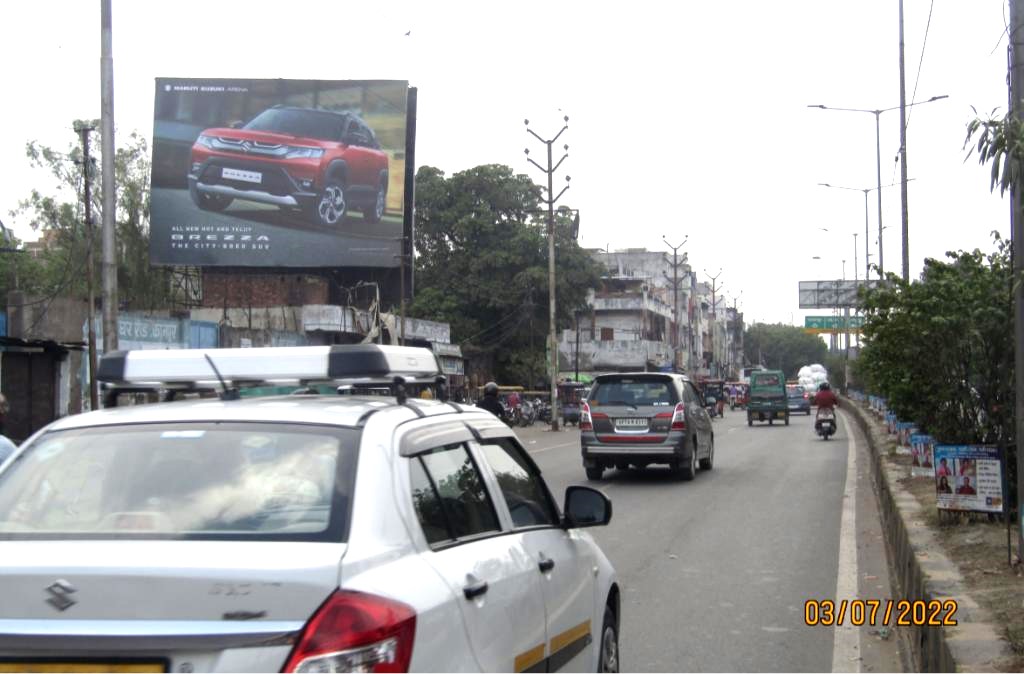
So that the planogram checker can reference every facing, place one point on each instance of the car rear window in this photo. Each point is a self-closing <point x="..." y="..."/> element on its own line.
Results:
<point x="637" y="391"/>
<point x="252" y="481"/>
<point x="759" y="380"/>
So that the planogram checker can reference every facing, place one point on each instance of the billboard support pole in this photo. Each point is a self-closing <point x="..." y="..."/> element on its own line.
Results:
<point x="550" y="201"/>
<point x="109" y="188"/>
<point x="1016" y="57"/>
<point x="84" y="132"/>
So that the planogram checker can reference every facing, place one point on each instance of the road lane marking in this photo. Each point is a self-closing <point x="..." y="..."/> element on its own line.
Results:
<point x="846" y="640"/>
<point x="544" y="449"/>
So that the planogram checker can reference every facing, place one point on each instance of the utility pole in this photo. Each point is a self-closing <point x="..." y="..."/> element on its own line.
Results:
<point x="1016" y="36"/>
<point x="714" y="317"/>
<point x="675" y="296"/>
<point x="109" y="188"/>
<point x="903" y="157"/>
<point x="550" y="201"/>
<point x="84" y="131"/>
<point x="856" y="281"/>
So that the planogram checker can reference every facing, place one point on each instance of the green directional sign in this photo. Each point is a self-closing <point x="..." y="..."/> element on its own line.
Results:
<point x="831" y="324"/>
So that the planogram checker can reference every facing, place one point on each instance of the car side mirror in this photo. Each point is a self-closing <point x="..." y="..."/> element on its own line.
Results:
<point x="586" y="507"/>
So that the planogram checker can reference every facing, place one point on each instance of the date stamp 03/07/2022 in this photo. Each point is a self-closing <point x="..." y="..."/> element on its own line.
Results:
<point x="880" y="612"/>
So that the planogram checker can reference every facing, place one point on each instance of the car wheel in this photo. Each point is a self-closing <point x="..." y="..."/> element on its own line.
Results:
<point x="209" y="202"/>
<point x="330" y="205"/>
<point x="687" y="473"/>
<point x="373" y="214"/>
<point x="709" y="462"/>
<point x="594" y="473"/>
<point x="609" y="643"/>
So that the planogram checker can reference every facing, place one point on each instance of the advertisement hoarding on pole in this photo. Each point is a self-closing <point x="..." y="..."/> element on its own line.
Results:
<point x="835" y="294"/>
<point x="968" y="477"/>
<point x="922" y="463"/>
<point x="280" y="173"/>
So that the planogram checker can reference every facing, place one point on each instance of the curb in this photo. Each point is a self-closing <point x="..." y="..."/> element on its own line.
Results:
<point x="923" y="572"/>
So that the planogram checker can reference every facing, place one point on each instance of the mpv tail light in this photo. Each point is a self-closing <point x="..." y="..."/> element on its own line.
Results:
<point x="356" y="632"/>
<point x="679" y="418"/>
<point x="586" y="423"/>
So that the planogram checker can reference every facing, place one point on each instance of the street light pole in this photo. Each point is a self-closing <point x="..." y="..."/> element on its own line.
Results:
<point x="675" y="298"/>
<point x="867" y="253"/>
<point x="714" y="314"/>
<point x="550" y="201"/>
<point x="878" y="160"/>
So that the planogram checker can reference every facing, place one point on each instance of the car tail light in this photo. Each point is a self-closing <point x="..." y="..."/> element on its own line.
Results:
<point x="679" y="418"/>
<point x="586" y="423"/>
<point x="356" y="632"/>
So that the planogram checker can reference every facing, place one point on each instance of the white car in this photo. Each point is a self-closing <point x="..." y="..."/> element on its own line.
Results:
<point x="294" y="533"/>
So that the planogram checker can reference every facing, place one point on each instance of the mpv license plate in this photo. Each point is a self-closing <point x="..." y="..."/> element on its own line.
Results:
<point x="631" y="422"/>
<point x="245" y="176"/>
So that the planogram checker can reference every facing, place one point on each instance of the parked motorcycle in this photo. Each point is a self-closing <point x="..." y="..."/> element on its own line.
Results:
<point x="825" y="422"/>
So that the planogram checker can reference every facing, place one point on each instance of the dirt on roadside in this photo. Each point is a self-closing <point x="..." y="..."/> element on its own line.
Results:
<point x="978" y="547"/>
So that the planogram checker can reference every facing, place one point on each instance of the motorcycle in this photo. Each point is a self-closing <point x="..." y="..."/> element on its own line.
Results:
<point x="825" y="422"/>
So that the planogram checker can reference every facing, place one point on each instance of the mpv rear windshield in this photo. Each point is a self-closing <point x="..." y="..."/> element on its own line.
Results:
<point x="638" y="391"/>
<point x="207" y="481"/>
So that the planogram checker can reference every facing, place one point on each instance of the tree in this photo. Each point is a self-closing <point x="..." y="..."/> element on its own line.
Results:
<point x="782" y="347"/>
<point x="481" y="265"/>
<point x="940" y="349"/>
<point x="60" y="269"/>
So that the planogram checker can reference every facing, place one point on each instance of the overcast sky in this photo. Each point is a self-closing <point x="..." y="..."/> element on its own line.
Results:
<point x="686" y="118"/>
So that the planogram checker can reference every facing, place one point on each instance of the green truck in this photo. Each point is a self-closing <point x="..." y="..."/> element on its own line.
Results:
<point x="767" y="397"/>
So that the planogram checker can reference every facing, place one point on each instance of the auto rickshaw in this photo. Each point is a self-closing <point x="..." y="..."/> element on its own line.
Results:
<point x="571" y="395"/>
<point x="714" y="389"/>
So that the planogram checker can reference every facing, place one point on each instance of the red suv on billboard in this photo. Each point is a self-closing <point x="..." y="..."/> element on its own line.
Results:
<point x="321" y="162"/>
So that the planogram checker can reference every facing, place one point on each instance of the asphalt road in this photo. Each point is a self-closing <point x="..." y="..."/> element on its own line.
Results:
<point x="715" y="572"/>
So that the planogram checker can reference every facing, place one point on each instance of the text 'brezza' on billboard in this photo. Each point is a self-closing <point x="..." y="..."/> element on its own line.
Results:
<point x="279" y="173"/>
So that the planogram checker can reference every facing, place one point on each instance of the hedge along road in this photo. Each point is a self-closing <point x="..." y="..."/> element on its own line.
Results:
<point x="715" y="572"/>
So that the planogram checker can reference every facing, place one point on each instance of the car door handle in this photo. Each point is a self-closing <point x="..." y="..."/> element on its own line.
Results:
<point x="475" y="589"/>
<point x="546" y="565"/>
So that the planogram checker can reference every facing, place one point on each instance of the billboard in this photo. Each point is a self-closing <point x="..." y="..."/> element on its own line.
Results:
<point x="281" y="173"/>
<point x="831" y="294"/>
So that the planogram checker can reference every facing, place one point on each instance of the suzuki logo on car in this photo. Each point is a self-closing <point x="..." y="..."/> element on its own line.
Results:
<point x="60" y="595"/>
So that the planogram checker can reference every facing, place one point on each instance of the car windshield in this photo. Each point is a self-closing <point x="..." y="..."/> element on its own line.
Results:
<point x="186" y="480"/>
<point x="302" y="123"/>
<point x="635" y="392"/>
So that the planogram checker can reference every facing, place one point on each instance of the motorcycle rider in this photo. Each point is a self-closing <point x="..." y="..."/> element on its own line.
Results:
<point x="826" y="399"/>
<point x="491" y="403"/>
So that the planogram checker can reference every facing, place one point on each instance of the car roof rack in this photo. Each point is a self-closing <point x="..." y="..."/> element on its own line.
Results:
<point x="226" y="370"/>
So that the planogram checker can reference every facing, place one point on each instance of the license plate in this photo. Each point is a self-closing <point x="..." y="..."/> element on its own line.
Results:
<point x="245" y="176"/>
<point x="61" y="666"/>
<point x="631" y="422"/>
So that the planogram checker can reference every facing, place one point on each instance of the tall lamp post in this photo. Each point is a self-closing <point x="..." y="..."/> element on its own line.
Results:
<point x="715" y="287"/>
<point x="550" y="201"/>
<point x="867" y="235"/>
<point x="878" y="172"/>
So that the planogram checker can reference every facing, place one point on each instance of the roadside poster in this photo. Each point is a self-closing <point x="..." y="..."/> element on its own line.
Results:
<point x="922" y="449"/>
<point x="968" y="477"/>
<point x="904" y="429"/>
<point x="890" y="422"/>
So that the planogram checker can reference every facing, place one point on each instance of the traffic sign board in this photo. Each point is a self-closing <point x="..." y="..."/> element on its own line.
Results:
<point x="831" y="324"/>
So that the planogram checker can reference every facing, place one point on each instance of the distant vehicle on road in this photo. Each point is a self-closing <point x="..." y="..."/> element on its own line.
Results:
<point x="798" y="399"/>
<point x="644" y="418"/>
<point x="768" y="400"/>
